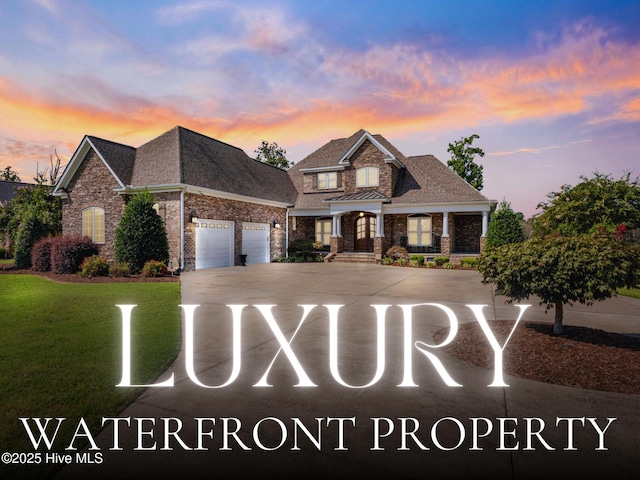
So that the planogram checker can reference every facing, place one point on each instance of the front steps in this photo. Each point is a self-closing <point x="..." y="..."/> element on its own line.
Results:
<point x="353" y="257"/>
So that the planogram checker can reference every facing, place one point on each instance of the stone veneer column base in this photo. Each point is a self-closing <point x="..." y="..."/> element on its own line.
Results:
<point x="445" y="246"/>
<point x="378" y="248"/>
<point x="483" y="244"/>
<point x="337" y="245"/>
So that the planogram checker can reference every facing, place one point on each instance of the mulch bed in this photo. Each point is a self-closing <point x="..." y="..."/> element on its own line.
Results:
<point x="580" y="357"/>
<point x="75" y="278"/>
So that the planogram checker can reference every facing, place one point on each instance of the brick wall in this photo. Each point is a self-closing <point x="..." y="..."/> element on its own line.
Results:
<point x="92" y="186"/>
<point x="222" y="209"/>
<point x="368" y="155"/>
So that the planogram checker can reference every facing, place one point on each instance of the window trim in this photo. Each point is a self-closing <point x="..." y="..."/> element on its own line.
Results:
<point x="367" y="177"/>
<point x="327" y="178"/>
<point x="323" y="232"/>
<point x="419" y="217"/>
<point x="93" y="211"/>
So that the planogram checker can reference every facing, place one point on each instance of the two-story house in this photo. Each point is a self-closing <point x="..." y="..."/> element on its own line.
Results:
<point x="357" y="194"/>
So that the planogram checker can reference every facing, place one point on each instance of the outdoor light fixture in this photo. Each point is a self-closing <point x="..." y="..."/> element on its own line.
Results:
<point x="362" y="214"/>
<point x="193" y="217"/>
<point x="276" y="224"/>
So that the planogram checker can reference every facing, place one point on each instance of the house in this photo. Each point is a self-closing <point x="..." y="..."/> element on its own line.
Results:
<point x="357" y="194"/>
<point x="8" y="190"/>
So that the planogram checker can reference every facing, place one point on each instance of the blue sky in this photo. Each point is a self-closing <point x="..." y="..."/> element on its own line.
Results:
<point x="552" y="88"/>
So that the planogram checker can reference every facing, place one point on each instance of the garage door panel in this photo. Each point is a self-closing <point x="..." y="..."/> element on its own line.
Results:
<point x="256" y="242"/>
<point x="214" y="244"/>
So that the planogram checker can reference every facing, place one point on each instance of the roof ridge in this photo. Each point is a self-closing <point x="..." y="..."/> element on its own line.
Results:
<point x="181" y="128"/>
<point x="109" y="141"/>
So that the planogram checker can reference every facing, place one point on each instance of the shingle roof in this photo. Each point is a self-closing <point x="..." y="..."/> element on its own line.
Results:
<point x="423" y="180"/>
<point x="8" y="190"/>
<point x="181" y="156"/>
<point x="119" y="157"/>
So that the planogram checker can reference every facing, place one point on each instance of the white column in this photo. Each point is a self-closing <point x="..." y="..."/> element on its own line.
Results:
<point x="445" y="224"/>
<point x="485" y="223"/>
<point x="334" y="226"/>
<point x="379" y="225"/>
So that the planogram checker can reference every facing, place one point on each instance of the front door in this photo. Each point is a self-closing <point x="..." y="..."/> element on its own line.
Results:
<point x="365" y="231"/>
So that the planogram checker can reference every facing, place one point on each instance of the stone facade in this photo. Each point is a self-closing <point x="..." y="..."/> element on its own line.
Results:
<point x="232" y="210"/>
<point x="92" y="186"/>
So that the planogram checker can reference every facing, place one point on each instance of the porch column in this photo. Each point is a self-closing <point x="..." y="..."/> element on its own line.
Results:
<point x="445" y="224"/>
<point x="379" y="225"/>
<point x="485" y="223"/>
<point x="336" y="230"/>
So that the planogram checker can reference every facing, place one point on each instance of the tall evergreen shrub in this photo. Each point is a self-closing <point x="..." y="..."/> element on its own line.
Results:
<point x="141" y="235"/>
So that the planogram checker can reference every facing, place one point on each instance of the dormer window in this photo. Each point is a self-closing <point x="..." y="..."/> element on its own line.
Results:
<point x="367" y="177"/>
<point x="327" y="180"/>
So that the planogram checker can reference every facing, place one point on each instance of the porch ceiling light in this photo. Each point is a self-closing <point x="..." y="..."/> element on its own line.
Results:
<point x="362" y="214"/>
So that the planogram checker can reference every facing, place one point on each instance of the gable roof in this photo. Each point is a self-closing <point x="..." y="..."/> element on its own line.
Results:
<point x="8" y="190"/>
<point x="424" y="179"/>
<point x="183" y="157"/>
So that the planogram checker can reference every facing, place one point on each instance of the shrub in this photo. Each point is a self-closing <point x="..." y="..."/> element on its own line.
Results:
<point x="301" y="248"/>
<point x="94" y="266"/>
<point x="401" y="261"/>
<point x="5" y="252"/>
<point x="450" y="266"/>
<point x="317" y="245"/>
<point x="470" y="262"/>
<point x="397" y="252"/>
<point x="31" y="230"/>
<point x="504" y="227"/>
<point x="319" y="258"/>
<point x="276" y="259"/>
<point x="141" y="235"/>
<point x="440" y="261"/>
<point x="416" y="260"/>
<point x="119" y="269"/>
<point x="41" y="255"/>
<point x="154" y="268"/>
<point x="387" y="260"/>
<point x="68" y="252"/>
<point x="431" y="264"/>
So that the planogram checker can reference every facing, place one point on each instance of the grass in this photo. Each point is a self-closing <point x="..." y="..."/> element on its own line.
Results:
<point x="60" y="353"/>
<point x="630" y="292"/>
<point x="6" y="261"/>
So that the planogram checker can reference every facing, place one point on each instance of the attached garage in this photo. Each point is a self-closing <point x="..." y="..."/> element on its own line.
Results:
<point x="214" y="243"/>
<point x="256" y="242"/>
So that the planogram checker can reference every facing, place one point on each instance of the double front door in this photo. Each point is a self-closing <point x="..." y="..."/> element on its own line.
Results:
<point x="364" y="233"/>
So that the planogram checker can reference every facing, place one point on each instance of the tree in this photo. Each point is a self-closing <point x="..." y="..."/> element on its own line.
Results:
<point x="9" y="175"/>
<point x="462" y="156"/>
<point x="505" y="226"/>
<point x="596" y="202"/>
<point x="562" y="270"/>
<point x="140" y="235"/>
<point x="272" y="154"/>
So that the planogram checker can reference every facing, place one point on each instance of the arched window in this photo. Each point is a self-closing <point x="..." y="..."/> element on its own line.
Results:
<point x="93" y="224"/>
<point x="367" y="177"/>
<point x="419" y="230"/>
<point x="323" y="230"/>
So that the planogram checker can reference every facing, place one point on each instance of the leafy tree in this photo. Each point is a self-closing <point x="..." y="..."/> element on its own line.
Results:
<point x="462" y="160"/>
<point x="141" y="235"/>
<point x="596" y="202"/>
<point x="505" y="226"/>
<point x="31" y="200"/>
<point x="31" y="230"/>
<point x="272" y="154"/>
<point x="9" y="175"/>
<point x="562" y="270"/>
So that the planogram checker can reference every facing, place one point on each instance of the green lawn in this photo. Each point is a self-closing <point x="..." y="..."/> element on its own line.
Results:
<point x="61" y="351"/>
<point x="6" y="261"/>
<point x="630" y="292"/>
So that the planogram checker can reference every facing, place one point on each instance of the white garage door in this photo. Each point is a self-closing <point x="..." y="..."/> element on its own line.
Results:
<point x="255" y="242"/>
<point x="214" y="244"/>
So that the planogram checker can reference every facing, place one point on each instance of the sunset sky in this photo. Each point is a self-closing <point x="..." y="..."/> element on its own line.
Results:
<point x="551" y="87"/>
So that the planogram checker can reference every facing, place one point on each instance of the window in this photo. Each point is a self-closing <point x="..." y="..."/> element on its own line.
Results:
<point x="323" y="230"/>
<point x="419" y="230"/>
<point x="93" y="224"/>
<point x="327" y="180"/>
<point x="367" y="177"/>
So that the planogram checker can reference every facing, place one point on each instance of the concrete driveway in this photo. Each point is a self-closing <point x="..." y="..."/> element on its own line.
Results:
<point x="381" y="431"/>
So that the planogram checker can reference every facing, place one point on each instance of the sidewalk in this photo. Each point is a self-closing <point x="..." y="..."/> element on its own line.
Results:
<point x="260" y="418"/>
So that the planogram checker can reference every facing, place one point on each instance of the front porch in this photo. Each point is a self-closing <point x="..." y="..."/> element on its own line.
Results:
<point x="365" y="236"/>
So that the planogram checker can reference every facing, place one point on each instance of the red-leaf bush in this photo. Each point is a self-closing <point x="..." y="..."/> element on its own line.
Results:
<point x="41" y="255"/>
<point x="68" y="252"/>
